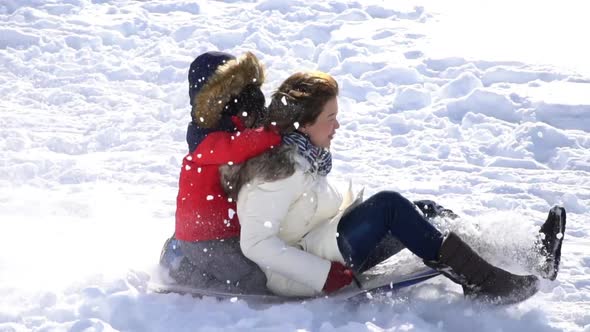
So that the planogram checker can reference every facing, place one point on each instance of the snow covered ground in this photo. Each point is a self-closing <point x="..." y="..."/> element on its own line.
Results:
<point x="485" y="108"/>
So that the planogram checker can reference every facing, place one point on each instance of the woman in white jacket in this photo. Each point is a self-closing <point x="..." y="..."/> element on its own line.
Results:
<point x="308" y="239"/>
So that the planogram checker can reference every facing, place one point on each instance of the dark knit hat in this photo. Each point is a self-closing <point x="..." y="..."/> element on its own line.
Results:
<point x="202" y="68"/>
<point x="221" y="84"/>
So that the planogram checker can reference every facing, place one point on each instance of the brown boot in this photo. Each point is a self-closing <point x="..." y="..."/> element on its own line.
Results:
<point x="481" y="280"/>
<point x="553" y="231"/>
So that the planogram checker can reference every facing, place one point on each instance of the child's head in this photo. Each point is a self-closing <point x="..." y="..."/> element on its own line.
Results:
<point x="223" y="85"/>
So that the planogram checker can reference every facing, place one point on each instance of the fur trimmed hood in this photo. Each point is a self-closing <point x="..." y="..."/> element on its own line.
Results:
<point x="276" y="164"/>
<point x="228" y="81"/>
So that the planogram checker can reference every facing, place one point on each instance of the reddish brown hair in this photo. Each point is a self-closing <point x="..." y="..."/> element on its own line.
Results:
<point x="301" y="98"/>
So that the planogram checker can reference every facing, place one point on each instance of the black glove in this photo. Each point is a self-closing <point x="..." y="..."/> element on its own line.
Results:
<point x="249" y="105"/>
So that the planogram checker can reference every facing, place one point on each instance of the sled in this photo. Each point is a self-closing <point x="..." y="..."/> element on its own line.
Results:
<point x="367" y="286"/>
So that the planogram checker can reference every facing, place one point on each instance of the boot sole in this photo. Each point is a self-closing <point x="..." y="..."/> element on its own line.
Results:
<point x="517" y="296"/>
<point x="554" y="228"/>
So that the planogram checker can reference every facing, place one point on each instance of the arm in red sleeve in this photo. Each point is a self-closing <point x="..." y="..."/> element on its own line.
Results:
<point x="221" y="147"/>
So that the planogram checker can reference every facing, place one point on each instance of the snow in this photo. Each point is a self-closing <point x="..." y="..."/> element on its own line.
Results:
<point x="483" y="107"/>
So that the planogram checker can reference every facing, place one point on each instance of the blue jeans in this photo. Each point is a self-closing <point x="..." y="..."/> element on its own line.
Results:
<point x="383" y="225"/>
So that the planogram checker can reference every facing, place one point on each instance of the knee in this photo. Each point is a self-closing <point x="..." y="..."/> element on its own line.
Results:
<point x="388" y="197"/>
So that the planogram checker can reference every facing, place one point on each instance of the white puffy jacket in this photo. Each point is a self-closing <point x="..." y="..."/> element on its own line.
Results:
<point x="289" y="228"/>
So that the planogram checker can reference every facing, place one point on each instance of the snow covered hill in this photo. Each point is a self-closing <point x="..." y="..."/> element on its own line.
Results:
<point x="93" y="119"/>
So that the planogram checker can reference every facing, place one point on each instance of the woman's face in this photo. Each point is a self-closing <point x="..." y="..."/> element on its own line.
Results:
<point x="322" y="131"/>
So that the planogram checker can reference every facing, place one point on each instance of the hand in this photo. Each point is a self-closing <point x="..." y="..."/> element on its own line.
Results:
<point x="338" y="277"/>
<point x="273" y="127"/>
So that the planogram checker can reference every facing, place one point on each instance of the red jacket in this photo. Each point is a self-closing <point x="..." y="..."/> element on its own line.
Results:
<point x="203" y="211"/>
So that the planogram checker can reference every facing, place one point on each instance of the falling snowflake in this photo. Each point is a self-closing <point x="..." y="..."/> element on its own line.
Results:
<point x="189" y="158"/>
<point x="230" y="162"/>
<point x="268" y="224"/>
<point x="199" y="170"/>
<point x="209" y="197"/>
<point x="244" y="114"/>
<point x="187" y="167"/>
<point x="231" y="213"/>
<point x="284" y="101"/>
<point x="296" y="125"/>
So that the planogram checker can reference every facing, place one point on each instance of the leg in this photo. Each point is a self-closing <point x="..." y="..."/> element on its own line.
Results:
<point x="431" y="209"/>
<point x="386" y="213"/>
<point x="389" y="213"/>
<point x="179" y="266"/>
<point x="216" y="265"/>
<point x="388" y="247"/>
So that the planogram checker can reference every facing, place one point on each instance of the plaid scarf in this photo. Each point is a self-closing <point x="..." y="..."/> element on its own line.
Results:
<point x="320" y="159"/>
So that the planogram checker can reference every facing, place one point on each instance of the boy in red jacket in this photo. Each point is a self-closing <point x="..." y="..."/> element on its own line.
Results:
<point x="227" y="104"/>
